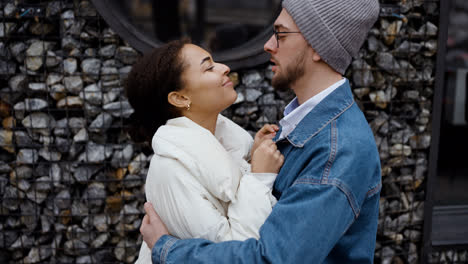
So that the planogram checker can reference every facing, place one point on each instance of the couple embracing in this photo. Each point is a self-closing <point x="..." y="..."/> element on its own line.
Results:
<point x="306" y="191"/>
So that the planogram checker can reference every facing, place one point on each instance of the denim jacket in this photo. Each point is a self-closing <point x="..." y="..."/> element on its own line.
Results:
<point x="328" y="197"/>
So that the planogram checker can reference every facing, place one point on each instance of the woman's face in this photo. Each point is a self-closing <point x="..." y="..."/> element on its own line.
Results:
<point x="206" y="82"/>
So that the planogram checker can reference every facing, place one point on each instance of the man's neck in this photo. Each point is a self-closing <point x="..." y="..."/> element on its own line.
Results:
<point x="313" y="83"/>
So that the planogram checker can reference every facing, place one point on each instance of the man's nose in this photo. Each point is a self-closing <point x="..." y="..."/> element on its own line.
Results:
<point x="270" y="46"/>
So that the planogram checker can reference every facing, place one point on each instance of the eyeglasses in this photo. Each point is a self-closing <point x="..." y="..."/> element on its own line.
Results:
<point x="281" y="32"/>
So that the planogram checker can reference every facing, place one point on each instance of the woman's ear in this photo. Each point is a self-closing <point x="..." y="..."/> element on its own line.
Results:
<point x="178" y="100"/>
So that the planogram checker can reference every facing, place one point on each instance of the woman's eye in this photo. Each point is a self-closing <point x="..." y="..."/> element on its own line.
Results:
<point x="210" y="68"/>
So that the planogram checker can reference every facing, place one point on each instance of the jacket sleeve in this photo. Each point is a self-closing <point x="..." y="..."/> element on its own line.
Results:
<point x="190" y="211"/>
<point x="300" y="229"/>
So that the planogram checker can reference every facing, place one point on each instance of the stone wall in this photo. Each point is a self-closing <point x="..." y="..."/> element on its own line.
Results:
<point x="71" y="180"/>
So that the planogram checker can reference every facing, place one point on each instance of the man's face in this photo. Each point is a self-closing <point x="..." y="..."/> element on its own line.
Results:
<point x="288" y="53"/>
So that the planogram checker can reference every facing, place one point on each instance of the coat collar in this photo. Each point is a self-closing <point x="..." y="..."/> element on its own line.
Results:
<point x="328" y="109"/>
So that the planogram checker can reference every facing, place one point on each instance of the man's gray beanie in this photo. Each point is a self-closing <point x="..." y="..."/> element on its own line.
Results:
<point x="336" y="29"/>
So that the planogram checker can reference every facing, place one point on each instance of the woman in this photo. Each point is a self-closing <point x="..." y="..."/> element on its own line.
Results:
<point x="199" y="180"/>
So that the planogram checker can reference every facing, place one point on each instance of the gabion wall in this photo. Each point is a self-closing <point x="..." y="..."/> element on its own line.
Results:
<point x="71" y="180"/>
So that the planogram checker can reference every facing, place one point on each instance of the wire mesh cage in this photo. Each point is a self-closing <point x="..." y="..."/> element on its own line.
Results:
<point x="72" y="181"/>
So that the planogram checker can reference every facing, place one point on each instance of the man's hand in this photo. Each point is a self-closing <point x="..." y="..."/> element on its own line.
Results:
<point x="268" y="131"/>
<point x="152" y="228"/>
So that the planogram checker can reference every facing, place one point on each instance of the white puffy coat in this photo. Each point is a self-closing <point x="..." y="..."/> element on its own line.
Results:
<point x="201" y="185"/>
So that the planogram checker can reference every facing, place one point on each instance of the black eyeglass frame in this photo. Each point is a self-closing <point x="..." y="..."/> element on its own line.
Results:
<point x="281" y="32"/>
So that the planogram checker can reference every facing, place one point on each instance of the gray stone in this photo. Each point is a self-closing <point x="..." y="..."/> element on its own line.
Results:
<point x="37" y="87"/>
<point x="38" y="121"/>
<point x="246" y="110"/>
<point x="49" y="155"/>
<point x="70" y="102"/>
<point x="83" y="174"/>
<point x="387" y="62"/>
<point x="137" y="164"/>
<point x="54" y="78"/>
<point x="6" y="29"/>
<point x="108" y="51"/>
<point x="123" y="251"/>
<point x="30" y="212"/>
<point x="101" y="222"/>
<point x="400" y="150"/>
<point x="69" y="43"/>
<point x="18" y="83"/>
<point x="251" y="95"/>
<point x="52" y="60"/>
<point x="86" y="8"/>
<point x="34" y="63"/>
<point x="27" y="156"/>
<point x="119" y="109"/>
<point x="91" y="66"/>
<point x="132" y="181"/>
<point x="111" y="96"/>
<point x="428" y="29"/>
<point x="73" y="84"/>
<point x="58" y="91"/>
<point x="17" y="50"/>
<point x="92" y="110"/>
<point x="53" y="8"/>
<point x="7" y="67"/>
<point x="22" y="242"/>
<point x="121" y="159"/>
<point x="84" y="260"/>
<point x="109" y="74"/>
<point x="63" y="199"/>
<point x="252" y="79"/>
<point x="124" y="71"/>
<point x="110" y="36"/>
<point x="43" y="184"/>
<point x="95" y="153"/>
<point x="75" y="247"/>
<point x="35" y="104"/>
<point x="409" y="47"/>
<point x="81" y="136"/>
<point x="362" y="74"/>
<point x="102" y="122"/>
<point x="38" y="48"/>
<point x="92" y="94"/>
<point x="126" y="55"/>
<point x="89" y="52"/>
<point x="6" y="140"/>
<point x="9" y="10"/>
<point x="108" y="85"/>
<point x="70" y="65"/>
<point x="100" y="240"/>
<point x="95" y="194"/>
<point x="75" y="27"/>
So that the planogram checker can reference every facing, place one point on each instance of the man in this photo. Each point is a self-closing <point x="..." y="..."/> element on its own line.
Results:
<point x="329" y="186"/>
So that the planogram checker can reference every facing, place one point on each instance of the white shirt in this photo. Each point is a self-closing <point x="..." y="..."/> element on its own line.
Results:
<point x="294" y="113"/>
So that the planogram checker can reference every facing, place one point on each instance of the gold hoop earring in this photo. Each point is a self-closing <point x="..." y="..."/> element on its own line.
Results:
<point x="188" y="107"/>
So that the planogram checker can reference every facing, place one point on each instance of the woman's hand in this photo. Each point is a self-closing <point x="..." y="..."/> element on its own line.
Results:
<point x="268" y="131"/>
<point x="267" y="158"/>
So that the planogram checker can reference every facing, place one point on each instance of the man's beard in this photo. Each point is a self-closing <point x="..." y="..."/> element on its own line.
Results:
<point x="293" y="72"/>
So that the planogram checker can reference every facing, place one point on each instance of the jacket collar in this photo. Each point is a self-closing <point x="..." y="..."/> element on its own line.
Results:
<point x="328" y="109"/>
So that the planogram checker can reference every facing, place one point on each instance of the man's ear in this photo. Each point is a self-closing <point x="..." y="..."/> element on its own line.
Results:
<point x="178" y="100"/>
<point x="315" y="56"/>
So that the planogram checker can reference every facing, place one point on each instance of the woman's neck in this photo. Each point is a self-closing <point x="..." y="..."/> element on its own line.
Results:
<point x="206" y="121"/>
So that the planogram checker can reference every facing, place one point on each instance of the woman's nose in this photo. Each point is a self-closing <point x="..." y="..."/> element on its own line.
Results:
<point x="225" y="68"/>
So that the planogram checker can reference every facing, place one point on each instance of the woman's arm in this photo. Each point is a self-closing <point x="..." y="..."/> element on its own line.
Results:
<point x="192" y="212"/>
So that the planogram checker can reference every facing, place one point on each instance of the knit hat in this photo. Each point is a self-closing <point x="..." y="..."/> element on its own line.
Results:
<point x="335" y="29"/>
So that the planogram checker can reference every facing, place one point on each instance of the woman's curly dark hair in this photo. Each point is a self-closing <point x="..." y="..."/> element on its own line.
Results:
<point x="147" y="86"/>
